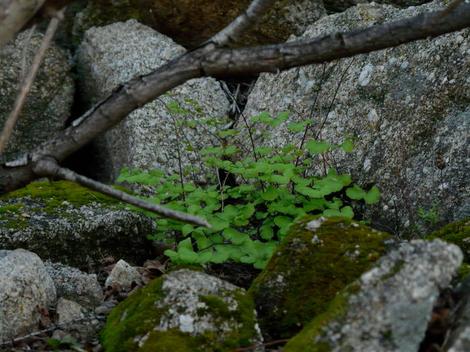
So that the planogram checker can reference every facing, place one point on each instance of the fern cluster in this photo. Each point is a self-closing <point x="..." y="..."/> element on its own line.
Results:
<point x="250" y="216"/>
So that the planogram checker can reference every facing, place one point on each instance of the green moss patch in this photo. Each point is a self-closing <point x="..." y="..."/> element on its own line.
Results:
<point x="131" y="326"/>
<point x="54" y="194"/>
<point x="309" y="269"/>
<point x="457" y="233"/>
<point x="65" y="222"/>
<point x="306" y="340"/>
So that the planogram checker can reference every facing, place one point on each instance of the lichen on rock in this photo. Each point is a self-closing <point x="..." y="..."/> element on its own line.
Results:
<point x="183" y="311"/>
<point x="316" y="260"/>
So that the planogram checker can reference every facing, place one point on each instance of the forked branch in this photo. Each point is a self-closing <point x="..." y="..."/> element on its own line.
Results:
<point x="209" y="60"/>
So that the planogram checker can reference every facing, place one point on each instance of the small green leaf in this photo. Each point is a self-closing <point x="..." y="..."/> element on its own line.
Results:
<point x="373" y="196"/>
<point x="355" y="192"/>
<point x="283" y="116"/>
<point x="296" y="127"/>
<point x="230" y="150"/>
<point x="280" y="179"/>
<point x="317" y="147"/>
<point x="270" y="194"/>
<point x="264" y="117"/>
<point x="220" y="254"/>
<point x="282" y="221"/>
<point x="228" y="133"/>
<point x="347" y="212"/>
<point x="235" y="236"/>
<point x="266" y="232"/>
<point x="187" y="229"/>
<point x="202" y="241"/>
<point x="263" y="151"/>
<point x="171" y="254"/>
<point x="347" y="146"/>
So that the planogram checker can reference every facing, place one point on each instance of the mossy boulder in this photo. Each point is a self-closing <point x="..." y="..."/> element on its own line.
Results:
<point x="183" y="311"/>
<point x="316" y="260"/>
<point x="389" y="307"/>
<point x="64" y="222"/>
<point x="457" y="233"/>
<point x="190" y="22"/>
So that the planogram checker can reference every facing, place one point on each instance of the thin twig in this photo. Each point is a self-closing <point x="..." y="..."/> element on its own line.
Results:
<point x="335" y="94"/>
<point x="312" y="110"/>
<point x="24" y="55"/>
<point x="13" y="342"/>
<point x="29" y="80"/>
<point x="234" y="30"/>
<point x="48" y="167"/>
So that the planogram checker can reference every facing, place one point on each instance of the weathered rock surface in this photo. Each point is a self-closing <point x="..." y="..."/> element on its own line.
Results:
<point x="76" y="323"/>
<point x="25" y="289"/>
<point x="68" y="311"/>
<point x="123" y="276"/>
<point x="388" y="309"/>
<point x="73" y="284"/>
<point x="186" y="311"/>
<point x="50" y="100"/>
<point x="406" y="108"/>
<point x="69" y="224"/>
<point x="171" y="129"/>
<point x="457" y="233"/>
<point x="192" y="22"/>
<point x="316" y="260"/>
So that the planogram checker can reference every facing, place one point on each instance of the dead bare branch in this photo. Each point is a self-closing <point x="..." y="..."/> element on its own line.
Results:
<point x="28" y="81"/>
<point x="207" y="61"/>
<point x="48" y="167"/>
<point x="14" y="15"/>
<point x="233" y="31"/>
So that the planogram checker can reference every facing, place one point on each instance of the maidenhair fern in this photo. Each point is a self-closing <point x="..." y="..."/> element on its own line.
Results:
<point x="249" y="218"/>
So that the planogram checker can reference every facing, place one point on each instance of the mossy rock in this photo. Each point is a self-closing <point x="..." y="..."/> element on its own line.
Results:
<point x="457" y="233"/>
<point x="183" y="311"/>
<point x="316" y="260"/>
<point x="67" y="223"/>
<point x="389" y="307"/>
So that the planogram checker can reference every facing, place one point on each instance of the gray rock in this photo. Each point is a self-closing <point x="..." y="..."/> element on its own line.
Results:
<point x="77" y="322"/>
<point x="406" y="109"/>
<point x="65" y="223"/>
<point x="390" y="307"/>
<point x="317" y="259"/>
<point x="68" y="312"/>
<point x="171" y="128"/>
<point x="50" y="100"/>
<point x="191" y="24"/>
<point x="184" y="307"/>
<point x="123" y="276"/>
<point x="75" y="285"/>
<point x="25" y="289"/>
